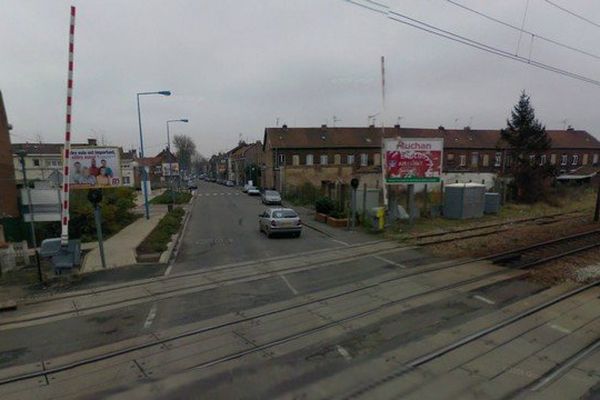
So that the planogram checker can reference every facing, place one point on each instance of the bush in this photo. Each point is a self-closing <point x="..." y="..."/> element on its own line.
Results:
<point x="338" y="213"/>
<point x="304" y="194"/>
<point x="160" y="236"/>
<point x="324" y="205"/>
<point x="166" y="198"/>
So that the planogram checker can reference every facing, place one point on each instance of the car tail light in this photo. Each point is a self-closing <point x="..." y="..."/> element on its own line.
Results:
<point x="273" y="222"/>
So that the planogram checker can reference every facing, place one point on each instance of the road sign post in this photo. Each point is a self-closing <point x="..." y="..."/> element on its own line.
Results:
<point x="95" y="197"/>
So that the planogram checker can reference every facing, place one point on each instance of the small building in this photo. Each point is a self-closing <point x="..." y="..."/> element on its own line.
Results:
<point x="8" y="189"/>
<point x="128" y="167"/>
<point x="157" y="174"/>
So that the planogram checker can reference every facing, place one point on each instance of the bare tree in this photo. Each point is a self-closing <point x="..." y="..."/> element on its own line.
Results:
<point x="185" y="150"/>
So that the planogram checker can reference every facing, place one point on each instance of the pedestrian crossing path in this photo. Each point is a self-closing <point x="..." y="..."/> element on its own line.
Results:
<point x="219" y="194"/>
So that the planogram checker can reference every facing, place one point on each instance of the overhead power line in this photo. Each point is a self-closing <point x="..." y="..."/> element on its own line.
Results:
<point x="581" y="17"/>
<point x="516" y="28"/>
<point x="415" y="23"/>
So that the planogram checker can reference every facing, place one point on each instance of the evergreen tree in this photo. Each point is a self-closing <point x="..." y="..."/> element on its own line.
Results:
<point x="527" y="137"/>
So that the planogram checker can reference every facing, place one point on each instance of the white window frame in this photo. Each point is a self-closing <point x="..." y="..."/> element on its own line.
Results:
<point x="280" y="160"/>
<point x="350" y="159"/>
<point x="36" y="162"/>
<point x="498" y="159"/>
<point x="462" y="160"/>
<point x="575" y="159"/>
<point x="485" y="161"/>
<point x="553" y="158"/>
<point x="543" y="158"/>
<point x="364" y="159"/>
<point x="377" y="159"/>
<point x="475" y="159"/>
<point x="324" y="159"/>
<point x="564" y="159"/>
<point x="310" y="160"/>
<point x="296" y="159"/>
<point x="337" y="159"/>
<point x="595" y="158"/>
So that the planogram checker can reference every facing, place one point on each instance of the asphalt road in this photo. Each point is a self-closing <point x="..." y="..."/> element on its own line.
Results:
<point x="223" y="229"/>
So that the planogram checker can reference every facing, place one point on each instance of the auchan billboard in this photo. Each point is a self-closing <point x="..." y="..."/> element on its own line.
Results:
<point x="413" y="160"/>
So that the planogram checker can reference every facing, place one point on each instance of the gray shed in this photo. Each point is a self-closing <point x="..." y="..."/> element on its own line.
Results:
<point x="464" y="200"/>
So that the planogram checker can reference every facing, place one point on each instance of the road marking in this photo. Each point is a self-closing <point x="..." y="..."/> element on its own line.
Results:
<point x="344" y="353"/>
<point x="215" y="194"/>
<point x="485" y="300"/>
<point x="339" y="241"/>
<point x="289" y="285"/>
<point x="222" y="194"/>
<point x="389" y="261"/>
<point x="168" y="270"/>
<point x="560" y="329"/>
<point x="150" y="317"/>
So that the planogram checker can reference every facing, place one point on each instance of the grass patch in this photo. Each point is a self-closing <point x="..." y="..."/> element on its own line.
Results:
<point x="160" y="236"/>
<point x="165" y="198"/>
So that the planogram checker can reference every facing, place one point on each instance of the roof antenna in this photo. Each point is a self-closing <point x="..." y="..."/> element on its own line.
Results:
<point x="564" y="121"/>
<point x="335" y="119"/>
<point x="371" y="119"/>
<point x="277" y="122"/>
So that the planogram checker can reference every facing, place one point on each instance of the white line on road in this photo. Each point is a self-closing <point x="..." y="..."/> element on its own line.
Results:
<point x="485" y="300"/>
<point x="150" y="317"/>
<point x="289" y="285"/>
<point x="385" y="260"/>
<point x="215" y="194"/>
<point x="339" y="241"/>
<point x="560" y="329"/>
<point x="343" y="352"/>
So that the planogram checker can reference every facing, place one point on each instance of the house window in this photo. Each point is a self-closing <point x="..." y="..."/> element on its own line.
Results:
<point x="595" y="159"/>
<point x="532" y="159"/>
<point x="486" y="160"/>
<point x="575" y="159"/>
<point x="52" y="163"/>
<point x="309" y="159"/>
<point x="463" y="160"/>
<point x="324" y="159"/>
<point x="543" y="159"/>
<point x="337" y="159"/>
<point x="508" y="160"/>
<point x="376" y="159"/>
<point x="586" y="159"/>
<point x="450" y="157"/>
<point x="36" y="162"/>
<point x="563" y="159"/>
<point x="498" y="159"/>
<point x="281" y="159"/>
<point x="474" y="159"/>
<point x="364" y="159"/>
<point x="350" y="159"/>
<point x="553" y="159"/>
<point x="126" y="180"/>
<point x="295" y="159"/>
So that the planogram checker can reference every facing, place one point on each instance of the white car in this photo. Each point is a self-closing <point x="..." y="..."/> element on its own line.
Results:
<point x="280" y="220"/>
<point x="253" y="191"/>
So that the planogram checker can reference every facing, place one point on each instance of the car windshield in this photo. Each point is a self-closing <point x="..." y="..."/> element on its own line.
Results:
<point x="284" y="214"/>
<point x="271" y="193"/>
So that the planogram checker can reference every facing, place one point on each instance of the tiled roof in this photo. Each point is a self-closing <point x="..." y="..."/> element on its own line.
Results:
<point x="41" y="148"/>
<point x="328" y="137"/>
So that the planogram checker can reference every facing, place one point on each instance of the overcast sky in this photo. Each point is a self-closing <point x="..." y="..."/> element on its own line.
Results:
<point x="236" y="66"/>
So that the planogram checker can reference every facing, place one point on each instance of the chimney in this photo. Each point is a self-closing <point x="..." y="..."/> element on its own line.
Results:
<point x="284" y="127"/>
<point x="372" y="126"/>
<point x="570" y="128"/>
<point x="467" y="128"/>
<point x="441" y="128"/>
<point x="397" y="126"/>
<point x="92" y="142"/>
<point x="324" y="126"/>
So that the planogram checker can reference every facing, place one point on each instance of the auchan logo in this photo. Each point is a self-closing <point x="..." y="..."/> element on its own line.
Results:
<point x="413" y="146"/>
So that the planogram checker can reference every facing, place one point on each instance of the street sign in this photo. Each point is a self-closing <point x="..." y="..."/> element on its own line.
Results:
<point x="413" y="160"/>
<point x="95" y="167"/>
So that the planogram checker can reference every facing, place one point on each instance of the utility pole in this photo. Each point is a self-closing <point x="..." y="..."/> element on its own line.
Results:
<point x="31" y="215"/>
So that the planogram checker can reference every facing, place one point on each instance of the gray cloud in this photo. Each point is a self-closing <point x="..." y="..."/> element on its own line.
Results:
<point x="236" y="66"/>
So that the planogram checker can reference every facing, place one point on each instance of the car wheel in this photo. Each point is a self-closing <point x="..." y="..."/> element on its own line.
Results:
<point x="297" y="234"/>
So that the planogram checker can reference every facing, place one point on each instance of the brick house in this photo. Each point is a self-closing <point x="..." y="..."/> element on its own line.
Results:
<point x="243" y="157"/>
<point x="8" y="188"/>
<point x="326" y="155"/>
<point x="156" y="175"/>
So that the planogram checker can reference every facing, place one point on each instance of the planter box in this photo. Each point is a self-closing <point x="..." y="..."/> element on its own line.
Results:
<point x="148" y="257"/>
<point x="337" y="223"/>
<point x="321" y="217"/>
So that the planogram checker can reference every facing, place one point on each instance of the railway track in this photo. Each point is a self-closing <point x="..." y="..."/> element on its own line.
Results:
<point x="527" y="257"/>
<point x="488" y="229"/>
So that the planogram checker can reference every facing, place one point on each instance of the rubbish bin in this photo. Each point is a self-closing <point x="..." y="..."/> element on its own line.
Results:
<point x="377" y="218"/>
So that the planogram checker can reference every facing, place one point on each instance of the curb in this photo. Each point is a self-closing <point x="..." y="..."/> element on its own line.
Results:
<point x="174" y="251"/>
<point x="309" y="225"/>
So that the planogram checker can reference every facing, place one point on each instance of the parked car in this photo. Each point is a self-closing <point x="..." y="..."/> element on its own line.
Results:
<point x="253" y="191"/>
<point x="192" y="184"/>
<point x="245" y="188"/>
<point x="280" y="220"/>
<point x="271" y="197"/>
<point x="229" y="183"/>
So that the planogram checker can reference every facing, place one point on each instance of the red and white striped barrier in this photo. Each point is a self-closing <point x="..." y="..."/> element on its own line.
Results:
<point x="64" y="235"/>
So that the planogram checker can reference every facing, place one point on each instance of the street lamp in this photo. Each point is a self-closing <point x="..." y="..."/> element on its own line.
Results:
<point x="169" y="150"/>
<point x="145" y="173"/>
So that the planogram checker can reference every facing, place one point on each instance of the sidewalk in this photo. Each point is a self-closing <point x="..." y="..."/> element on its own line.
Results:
<point x="340" y="234"/>
<point x="120" y="248"/>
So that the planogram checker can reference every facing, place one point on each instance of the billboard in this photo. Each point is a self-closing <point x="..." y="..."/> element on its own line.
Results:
<point x="170" y="169"/>
<point x="413" y="160"/>
<point x="95" y="167"/>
